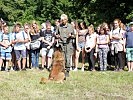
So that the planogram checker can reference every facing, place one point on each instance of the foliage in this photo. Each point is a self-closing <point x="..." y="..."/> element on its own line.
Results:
<point x="91" y="11"/>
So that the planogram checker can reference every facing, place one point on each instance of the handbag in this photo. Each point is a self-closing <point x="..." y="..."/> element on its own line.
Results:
<point x="35" y="44"/>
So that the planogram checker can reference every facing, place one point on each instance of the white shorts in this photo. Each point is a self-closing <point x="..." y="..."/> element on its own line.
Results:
<point x="47" y="52"/>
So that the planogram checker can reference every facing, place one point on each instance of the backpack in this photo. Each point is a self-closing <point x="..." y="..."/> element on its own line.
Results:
<point x="9" y="35"/>
<point x="27" y="45"/>
<point x="9" y="38"/>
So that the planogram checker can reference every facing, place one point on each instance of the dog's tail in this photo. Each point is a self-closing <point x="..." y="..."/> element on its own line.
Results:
<point x="44" y="80"/>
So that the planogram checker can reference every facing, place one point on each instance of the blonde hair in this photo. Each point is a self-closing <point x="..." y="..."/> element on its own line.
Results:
<point x="104" y="24"/>
<point x="34" y="30"/>
<point x="26" y="24"/>
<point x="118" y="20"/>
<point x="92" y="28"/>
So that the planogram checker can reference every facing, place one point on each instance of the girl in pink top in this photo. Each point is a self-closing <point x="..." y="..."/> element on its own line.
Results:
<point x="102" y="46"/>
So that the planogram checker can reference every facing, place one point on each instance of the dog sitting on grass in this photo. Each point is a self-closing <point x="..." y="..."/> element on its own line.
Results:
<point x="57" y="72"/>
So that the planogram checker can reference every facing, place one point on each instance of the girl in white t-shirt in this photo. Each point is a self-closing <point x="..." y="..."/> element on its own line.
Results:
<point x="117" y="44"/>
<point x="90" y="44"/>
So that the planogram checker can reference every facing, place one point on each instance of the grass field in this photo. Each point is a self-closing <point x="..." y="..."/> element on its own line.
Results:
<point x="109" y="85"/>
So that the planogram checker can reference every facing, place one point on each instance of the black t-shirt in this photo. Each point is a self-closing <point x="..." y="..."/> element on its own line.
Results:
<point x="35" y="36"/>
<point x="48" y="35"/>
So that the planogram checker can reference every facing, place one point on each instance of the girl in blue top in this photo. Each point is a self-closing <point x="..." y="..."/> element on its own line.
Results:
<point x="129" y="47"/>
<point x="5" y="45"/>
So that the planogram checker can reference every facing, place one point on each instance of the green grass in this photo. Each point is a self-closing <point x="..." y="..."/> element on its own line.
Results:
<point x="24" y="85"/>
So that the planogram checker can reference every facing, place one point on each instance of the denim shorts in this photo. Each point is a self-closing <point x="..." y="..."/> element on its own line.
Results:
<point x="48" y="52"/>
<point x="81" y="45"/>
<point x="129" y="54"/>
<point x="18" y="54"/>
<point x="5" y="55"/>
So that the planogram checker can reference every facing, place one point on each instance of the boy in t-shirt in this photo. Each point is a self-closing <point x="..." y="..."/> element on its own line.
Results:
<point x="5" y="45"/>
<point x="47" y="46"/>
<point x="129" y="47"/>
<point x="19" y="40"/>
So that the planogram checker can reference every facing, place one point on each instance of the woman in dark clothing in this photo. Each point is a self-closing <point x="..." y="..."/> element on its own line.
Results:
<point x="35" y="35"/>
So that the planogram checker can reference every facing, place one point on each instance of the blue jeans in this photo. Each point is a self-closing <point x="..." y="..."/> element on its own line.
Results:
<point x="35" y="58"/>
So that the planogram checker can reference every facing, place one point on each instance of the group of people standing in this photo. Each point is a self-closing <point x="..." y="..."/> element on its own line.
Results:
<point x="108" y="45"/>
<point x="97" y="45"/>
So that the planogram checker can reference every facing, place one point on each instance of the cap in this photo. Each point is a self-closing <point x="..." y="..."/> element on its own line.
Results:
<point x="131" y="23"/>
<point x="64" y="16"/>
<point x="43" y="25"/>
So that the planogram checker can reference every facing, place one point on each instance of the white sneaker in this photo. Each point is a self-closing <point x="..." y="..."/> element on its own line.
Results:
<point x="7" y="69"/>
<point x="11" y="69"/>
<point x="71" y="68"/>
<point x="82" y="69"/>
<point x="75" y="69"/>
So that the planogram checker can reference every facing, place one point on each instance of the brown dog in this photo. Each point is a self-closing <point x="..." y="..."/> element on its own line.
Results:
<point x="57" y="72"/>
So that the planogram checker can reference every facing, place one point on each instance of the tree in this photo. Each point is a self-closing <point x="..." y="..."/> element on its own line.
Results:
<point x="91" y="11"/>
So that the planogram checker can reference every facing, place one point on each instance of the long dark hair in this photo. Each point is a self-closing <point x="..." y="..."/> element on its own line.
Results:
<point x="76" y="24"/>
<point x="84" y="24"/>
<point x="104" y="28"/>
